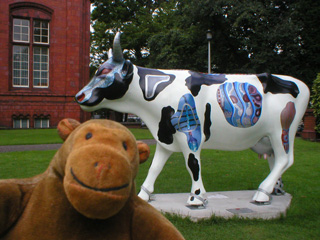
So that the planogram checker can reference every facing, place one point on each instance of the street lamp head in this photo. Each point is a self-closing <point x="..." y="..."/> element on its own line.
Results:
<point x="209" y="35"/>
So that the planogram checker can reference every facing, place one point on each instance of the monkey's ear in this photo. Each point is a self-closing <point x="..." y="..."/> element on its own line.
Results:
<point x="144" y="151"/>
<point x="66" y="126"/>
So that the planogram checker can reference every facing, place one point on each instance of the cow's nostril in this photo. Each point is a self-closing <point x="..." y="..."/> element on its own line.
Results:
<point x="81" y="97"/>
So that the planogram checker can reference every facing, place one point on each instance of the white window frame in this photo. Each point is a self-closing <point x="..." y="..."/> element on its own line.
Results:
<point x="44" y="122"/>
<point x="20" y="26"/>
<point x="40" y="70"/>
<point x="21" y="122"/>
<point x="20" y="69"/>
<point x="41" y="30"/>
<point x="31" y="45"/>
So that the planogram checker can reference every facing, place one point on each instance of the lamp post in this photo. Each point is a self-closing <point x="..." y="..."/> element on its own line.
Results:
<point x="209" y="38"/>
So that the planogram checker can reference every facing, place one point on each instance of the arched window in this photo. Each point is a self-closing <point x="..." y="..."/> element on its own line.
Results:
<point x="21" y="121"/>
<point x="30" y="41"/>
<point x="41" y="120"/>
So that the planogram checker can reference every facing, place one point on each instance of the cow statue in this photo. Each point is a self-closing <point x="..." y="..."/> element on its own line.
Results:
<point x="187" y="111"/>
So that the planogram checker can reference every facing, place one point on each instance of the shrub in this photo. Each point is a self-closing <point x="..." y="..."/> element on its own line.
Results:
<point x="315" y="100"/>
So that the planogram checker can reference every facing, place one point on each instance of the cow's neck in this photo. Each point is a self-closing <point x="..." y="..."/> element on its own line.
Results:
<point x="135" y="102"/>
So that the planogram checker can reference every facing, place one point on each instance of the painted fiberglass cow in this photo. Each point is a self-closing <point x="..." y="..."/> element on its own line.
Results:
<point x="188" y="111"/>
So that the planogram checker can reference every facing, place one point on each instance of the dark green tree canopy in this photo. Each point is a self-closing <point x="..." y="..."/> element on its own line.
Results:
<point x="274" y="36"/>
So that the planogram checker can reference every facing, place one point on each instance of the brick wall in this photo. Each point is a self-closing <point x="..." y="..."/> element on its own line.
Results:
<point x="69" y="62"/>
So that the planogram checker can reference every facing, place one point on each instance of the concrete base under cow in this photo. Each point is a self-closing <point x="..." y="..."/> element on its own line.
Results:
<point x="222" y="204"/>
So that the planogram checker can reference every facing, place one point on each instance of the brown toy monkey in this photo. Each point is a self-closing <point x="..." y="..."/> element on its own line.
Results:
<point x="87" y="192"/>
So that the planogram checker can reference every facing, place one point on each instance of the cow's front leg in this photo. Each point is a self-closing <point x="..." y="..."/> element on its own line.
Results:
<point x="161" y="156"/>
<point x="198" y="192"/>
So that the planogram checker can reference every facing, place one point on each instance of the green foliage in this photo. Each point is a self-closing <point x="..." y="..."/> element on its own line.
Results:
<point x="315" y="100"/>
<point x="134" y="18"/>
<point x="248" y="36"/>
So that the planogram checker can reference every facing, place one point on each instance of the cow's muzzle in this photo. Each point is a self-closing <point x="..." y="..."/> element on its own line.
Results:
<point x="89" y="98"/>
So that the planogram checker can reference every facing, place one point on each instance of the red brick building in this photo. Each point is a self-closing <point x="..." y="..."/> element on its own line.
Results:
<point x="44" y="61"/>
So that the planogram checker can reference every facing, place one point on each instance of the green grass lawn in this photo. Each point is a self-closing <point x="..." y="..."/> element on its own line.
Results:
<point x="48" y="136"/>
<point x="222" y="171"/>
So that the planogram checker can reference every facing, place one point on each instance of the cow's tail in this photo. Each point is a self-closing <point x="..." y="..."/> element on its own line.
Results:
<point x="300" y="97"/>
<point x="300" y="104"/>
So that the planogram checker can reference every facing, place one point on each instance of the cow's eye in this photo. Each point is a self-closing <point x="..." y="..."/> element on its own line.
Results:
<point x="89" y="135"/>
<point x="105" y="71"/>
<point x="125" y="146"/>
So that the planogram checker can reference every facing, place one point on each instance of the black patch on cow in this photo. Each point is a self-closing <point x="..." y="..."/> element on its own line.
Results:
<point x="197" y="192"/>
<point x="196" y="79"/>
<point x="166" y="130"/>
<point x="153" y="81"/>
<point x="193" y="165"/>
<point x="276" y="85"/>
<point x="207" y="122"/>
<point x="118" y="89"/>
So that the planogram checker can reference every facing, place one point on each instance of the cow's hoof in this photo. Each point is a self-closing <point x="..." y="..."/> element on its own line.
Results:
<point x="144" y="194"/>
<point x="262" y="197"/>
<point x="278" y="188"/>
<point x="195" y="200"/>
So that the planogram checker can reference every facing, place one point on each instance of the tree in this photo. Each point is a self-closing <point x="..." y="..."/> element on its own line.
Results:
<point x="315" y="101"/>
<point x="133" y="17"/>
<point x="184" y="44"/>
<point x="276" y="36"/>
<point x="307" y="13"/>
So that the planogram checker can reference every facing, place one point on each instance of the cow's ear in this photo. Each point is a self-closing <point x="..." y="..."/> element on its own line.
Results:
<point x="127" y="70"/>
<point x="66" y="126"/>
<point x="144" y="151"/>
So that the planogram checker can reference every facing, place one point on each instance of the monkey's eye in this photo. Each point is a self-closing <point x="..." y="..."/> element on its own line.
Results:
<point x="124" y="144"/>
<point x="88" y="136"/>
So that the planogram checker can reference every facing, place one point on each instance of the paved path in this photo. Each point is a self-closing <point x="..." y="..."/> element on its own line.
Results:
<point x="42" y="147"/>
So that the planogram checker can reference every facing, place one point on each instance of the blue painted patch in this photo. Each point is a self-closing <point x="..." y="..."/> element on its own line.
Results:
<point x="241" y="103"/>
<point x="186" y="120"/>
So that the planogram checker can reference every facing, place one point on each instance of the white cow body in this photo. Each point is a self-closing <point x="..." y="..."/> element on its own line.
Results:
<point x="265" y="136"/>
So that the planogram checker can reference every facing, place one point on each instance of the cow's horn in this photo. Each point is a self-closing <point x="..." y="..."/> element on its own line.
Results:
<point x="110" y="53"/>
<point x="117" y="51"/>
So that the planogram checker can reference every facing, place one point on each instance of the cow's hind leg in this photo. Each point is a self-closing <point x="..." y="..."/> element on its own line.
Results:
<point x="160" y="158"/>
<point x="198" y="192"/>
<point x="278" y="187"/>
<point x="264" y="149"/>
<point x="282" y="145"/>
<point x="280" y="161"/>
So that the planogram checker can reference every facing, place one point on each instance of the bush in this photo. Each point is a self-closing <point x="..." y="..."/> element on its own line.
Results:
<point x="315" y="100"/>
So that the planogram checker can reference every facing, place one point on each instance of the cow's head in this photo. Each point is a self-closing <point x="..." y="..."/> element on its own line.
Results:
<point x="110" y="82"/>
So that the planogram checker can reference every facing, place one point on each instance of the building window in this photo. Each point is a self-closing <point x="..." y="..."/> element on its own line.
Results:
<point x="41" y="123"/>
<point x="30" y="45"/>
<point x="40" y="31"/>
<point x="20" y="30"/>
<point x="20" y="123"/>
<point x="40" y="67"/>
<point x="20" y="66"/>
